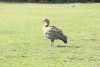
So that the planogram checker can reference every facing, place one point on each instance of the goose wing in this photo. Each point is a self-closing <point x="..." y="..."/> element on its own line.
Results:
<point x="55" y="30"/>
<point x="54" y="33"/>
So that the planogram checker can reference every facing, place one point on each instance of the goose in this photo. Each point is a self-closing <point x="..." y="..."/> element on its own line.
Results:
<point x="52" y="32"/>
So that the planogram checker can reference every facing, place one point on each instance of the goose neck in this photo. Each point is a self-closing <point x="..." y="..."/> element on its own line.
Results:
<point x="47" y="24"/>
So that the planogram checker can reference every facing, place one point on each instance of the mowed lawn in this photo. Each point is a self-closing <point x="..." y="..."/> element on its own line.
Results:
<point x="23" y="44"/>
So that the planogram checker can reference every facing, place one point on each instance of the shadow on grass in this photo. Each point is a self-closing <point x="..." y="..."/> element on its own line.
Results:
<point x="63" y="46"/>
<point x="69" y="46"/>
<point x="23" y="56"/>
<point x="75" y="58"/>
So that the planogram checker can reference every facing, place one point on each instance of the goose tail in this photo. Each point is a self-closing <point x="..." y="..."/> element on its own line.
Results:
<point x="64" y="39"/>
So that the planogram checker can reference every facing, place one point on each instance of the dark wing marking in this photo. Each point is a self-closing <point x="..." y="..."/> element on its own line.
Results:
<point x="55" y="29"/>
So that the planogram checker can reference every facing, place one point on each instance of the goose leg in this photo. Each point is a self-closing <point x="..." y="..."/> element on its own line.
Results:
<point x="52" y="42"/>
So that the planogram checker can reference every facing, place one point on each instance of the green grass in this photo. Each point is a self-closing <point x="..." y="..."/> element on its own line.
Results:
<point x="22" y="42"/>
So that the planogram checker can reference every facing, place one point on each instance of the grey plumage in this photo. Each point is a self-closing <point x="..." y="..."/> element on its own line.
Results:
<point x="52" y="32"/>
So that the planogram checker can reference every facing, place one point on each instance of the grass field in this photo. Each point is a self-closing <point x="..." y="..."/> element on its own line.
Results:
<point x="22" y="42"/>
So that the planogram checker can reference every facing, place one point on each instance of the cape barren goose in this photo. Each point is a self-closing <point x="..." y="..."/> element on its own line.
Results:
<point x="52" y="32"/>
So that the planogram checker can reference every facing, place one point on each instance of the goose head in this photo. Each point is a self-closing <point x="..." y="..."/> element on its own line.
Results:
<point x="45" y="20"/>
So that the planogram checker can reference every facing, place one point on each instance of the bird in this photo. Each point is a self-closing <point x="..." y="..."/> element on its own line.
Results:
<point x="52" y="32"/>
